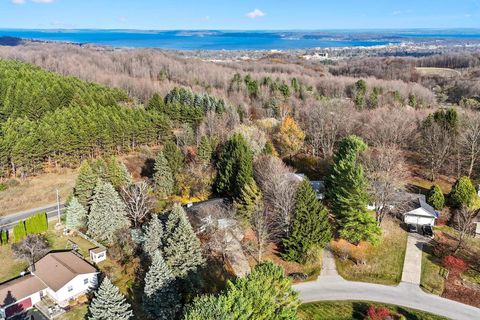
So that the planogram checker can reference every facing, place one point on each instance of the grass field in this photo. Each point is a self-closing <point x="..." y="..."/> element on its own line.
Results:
<point x="36" y="191"/>
<point x="442" y="72"/>
<point x="384" y="263"/>
<point x="431" y="280"/>
<point x="348" y="310"/>
<point x="76" y="313"/>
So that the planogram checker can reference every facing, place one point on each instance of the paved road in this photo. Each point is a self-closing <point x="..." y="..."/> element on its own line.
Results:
<point x="330" y="286"/>
<point x="7" y="222"/>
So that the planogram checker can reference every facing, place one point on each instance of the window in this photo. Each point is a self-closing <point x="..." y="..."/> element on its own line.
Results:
<point x="70" y="288"/>
<point x="85" y="281"/>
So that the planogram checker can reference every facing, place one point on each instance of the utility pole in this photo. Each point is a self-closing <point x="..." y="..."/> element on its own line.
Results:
<point x="58" y="207"/>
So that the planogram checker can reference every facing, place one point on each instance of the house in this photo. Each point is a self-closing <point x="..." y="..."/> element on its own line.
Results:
<point x="98" y="254"/>
<point x="477" y="225"/>
<point x="62" y="276"/>
<point x="317" y="185"/>
<point x="422" y="214"/>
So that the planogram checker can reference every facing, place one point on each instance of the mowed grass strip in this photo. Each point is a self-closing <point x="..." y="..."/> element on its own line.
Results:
<point x="383" y="264"/>
<point x="431" y="280"/>
<point x="348" y="310"/>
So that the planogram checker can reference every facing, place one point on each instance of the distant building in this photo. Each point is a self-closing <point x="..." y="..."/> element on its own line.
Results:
<point x="60" y="276"/>
<point x="317" y="185"/>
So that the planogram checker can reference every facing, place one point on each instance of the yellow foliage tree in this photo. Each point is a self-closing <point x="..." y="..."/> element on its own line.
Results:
<point x="289" y="138"/>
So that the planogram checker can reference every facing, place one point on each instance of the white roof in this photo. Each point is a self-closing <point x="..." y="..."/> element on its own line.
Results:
<point x="424" y="209"/>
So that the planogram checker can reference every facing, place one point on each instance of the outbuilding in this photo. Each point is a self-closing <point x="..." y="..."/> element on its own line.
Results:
<point x="98" y="254"/>
<point x="422" y="214"/>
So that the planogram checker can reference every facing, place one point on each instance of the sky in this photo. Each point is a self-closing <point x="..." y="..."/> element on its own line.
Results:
<point x="239" y="14"/>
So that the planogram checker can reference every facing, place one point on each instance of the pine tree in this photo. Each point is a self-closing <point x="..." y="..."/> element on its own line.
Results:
<point x="235" y="166"/>
<point x="205" y="149"/>
<point x="108" y="303"/>
<point x="436" y="198"/>
<point x="76" y="215"/>
<point x="463" y="192"/>
<point x="163" y="177"/>
<point x="156" y="103"/>
<point x="181" y="247"/>
<point x="85" y="184"/>
<point x="174" y="156"/>
<point x="347" y="192"/>
<point x="310" y="224"/>
<point x="100" y="168"/>
<point x="107" y="213"/>
<point x="250" y="196"/>
<point x="265" y="293"/>
<point x="153" y="236"/>
<point x="160" y="297"/>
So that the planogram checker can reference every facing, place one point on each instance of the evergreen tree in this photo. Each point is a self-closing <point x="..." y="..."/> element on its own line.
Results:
<point x="250" y="196"/>
<point x="107" y="213"/>
<point x="156" y="103"/>
<point x="84" y="184"/>
<point x="347" y="192"/>
<point x="163" y="177"/>
<point x="310" y="225"/>
<point x="153" y="236"/>
<point x="205" y="149"/>
<point x="174" y="156"/>
<point x="463" y="192"/>
<point x="108" y="303"/>
<point x="160" y="298"/>
<point x="265" y="294"/>
<point x="76" y="215"/>
<point x="100" y="168"/>
<point x="235" y="166"/>
<point x="436" y="198"/>
<point x="181" y="247"/>
<point x="118" y="174"/>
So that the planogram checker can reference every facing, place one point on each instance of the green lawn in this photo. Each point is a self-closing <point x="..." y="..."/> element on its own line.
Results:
<point x="431" y="280"/>
<point x="348" y="310"/>
<point x="384" y="263"/>
<point x="10" y="267"/>
<point x="76" y="313"/>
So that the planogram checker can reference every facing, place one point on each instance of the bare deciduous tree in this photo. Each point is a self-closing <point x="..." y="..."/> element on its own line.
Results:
<point x="259" y="222"/>
<point x="279" y="188"/>
<point x="32" y="248"/>
<point x="138" y="201"/>
<point x="470" y="140"/>
<point x="326" y="123"/>
<point x="464" y="219"/>
<point x="386" y="171"/>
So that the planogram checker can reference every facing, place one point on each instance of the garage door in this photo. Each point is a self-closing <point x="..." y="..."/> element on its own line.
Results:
<point x="424" y="221"/>
<point x="18" y="307"/>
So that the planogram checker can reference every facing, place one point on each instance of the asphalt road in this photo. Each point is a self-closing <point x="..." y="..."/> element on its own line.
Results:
<point x="9" y="221"/>
<point x="330" y="286"/>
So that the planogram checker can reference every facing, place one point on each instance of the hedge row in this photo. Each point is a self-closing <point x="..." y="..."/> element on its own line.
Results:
<point x="33" y="225"/>
<point x="3" y="237"/>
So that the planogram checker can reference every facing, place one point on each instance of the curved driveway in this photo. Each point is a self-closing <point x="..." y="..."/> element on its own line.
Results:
<point x="330" y="286"/>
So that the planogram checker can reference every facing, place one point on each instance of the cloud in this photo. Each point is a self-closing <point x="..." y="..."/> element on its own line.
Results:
<point x="43" y="1"/>
<point x="17" y="1"/>
<point x="255" y="14"/>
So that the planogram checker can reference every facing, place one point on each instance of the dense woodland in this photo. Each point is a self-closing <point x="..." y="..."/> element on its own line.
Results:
<point x="236" y="131"/>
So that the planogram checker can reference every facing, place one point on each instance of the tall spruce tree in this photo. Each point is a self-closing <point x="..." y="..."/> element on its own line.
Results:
<point x="85" y="183"/>
<point x="235" y="166"/>
<point x="161" y="299"/>
<point x="250" y="196"/>
<point x="76" y="215"/>
<point x="118" y="174"/>
<point x="463" y="192"/>
<point x="436" y="198"/>
<point x="181" y="247"/>
<point x="174" y="156"/>
<point x="347" y="192"/>
<point x="108" y="303"/>
<point x="265" y="293"/>
<point x="205" y="149"/>
<point x="163" y="176"/>
<point x="107" y="213"/>
<point x="310" y="225"/>
<point x="153" y="236"/>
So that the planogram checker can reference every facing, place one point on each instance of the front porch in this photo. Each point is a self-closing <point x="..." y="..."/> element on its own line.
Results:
<point x="49" y="308"/>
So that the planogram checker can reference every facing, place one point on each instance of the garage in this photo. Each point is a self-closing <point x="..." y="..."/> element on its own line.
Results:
<point x="19" y="307"/>
<point x="424" y="214"/>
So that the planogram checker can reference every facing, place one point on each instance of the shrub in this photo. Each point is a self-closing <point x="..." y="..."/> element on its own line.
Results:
<point x="454" y="265"/>
<point x="3" y="187"/>
<point x="19" y="231"/>
<point x="378" y="313"/>
<point x="3" y="237"/>
<point x="37" y="223"/>
<point x="436" y="198"/>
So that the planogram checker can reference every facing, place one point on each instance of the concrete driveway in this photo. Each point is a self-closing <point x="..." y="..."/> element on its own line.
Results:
<point x="412" y="266"/>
